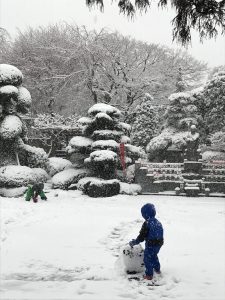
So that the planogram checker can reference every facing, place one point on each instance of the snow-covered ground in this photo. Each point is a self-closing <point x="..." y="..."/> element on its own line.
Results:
<point x="69" y="247"/>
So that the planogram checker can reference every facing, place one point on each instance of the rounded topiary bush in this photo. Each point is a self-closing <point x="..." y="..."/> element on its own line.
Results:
<point x="97" y="187"/>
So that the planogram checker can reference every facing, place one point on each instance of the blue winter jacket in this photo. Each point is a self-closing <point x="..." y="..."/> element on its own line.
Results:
<point x="152" y="230"/>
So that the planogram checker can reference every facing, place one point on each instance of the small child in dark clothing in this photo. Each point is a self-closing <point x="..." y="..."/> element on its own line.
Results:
<point x="34" y="191"/>
<point x="152" y="233"/>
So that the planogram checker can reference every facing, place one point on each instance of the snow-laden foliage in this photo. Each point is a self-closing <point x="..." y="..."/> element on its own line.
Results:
<point x="104" y="132"/>
<point x="214" y="100"/>
<point x="218" y="140"/>
<point x="10" y="75"/>
<point x="17" y="176"/>
<point x="15" y="102"/>
<point x="57" y="164"/>
<point x="67" y="177"/>
<point x="79" y="143"/>
<point x="146" y="122"/>
<point x="104" y="108"/>
<point x="33" y="157"/>
<point x="210" y="155"/>
<point x="55" y="120"/>
<point x="10" y="127"/>
<point x="98" y="187"/>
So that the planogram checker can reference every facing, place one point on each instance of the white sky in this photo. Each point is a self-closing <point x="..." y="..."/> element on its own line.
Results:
<point x="153" y="27"/>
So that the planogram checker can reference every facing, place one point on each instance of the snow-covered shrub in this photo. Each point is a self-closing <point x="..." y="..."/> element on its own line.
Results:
<point x="130" y="188"/>
<point x="34" y="157"/>
<point x="97" y="187"/>
<point x="17" y="176"/>
<point x="15" y="102"/>
<point x="103" y="133"/>
<point x="58" y="164"/>
<point x="218" y="140"/>
<point x="210" y="155"/>
<point x="40" y="174"/>
<point x="65" y="178"/>
<point x="10" y="75"/>
<point x="13" y="192"/>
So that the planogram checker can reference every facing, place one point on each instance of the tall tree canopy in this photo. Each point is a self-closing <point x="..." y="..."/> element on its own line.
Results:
<point x="205" y="16"/>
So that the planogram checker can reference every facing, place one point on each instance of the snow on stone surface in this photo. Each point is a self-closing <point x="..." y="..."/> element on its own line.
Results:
<point x="69" y="246"/>
<point x="129" y="188"/>
<point x="16" y="176"/>
<point x="103" y="108"/>
<point x="9" y="90"/>
<point x="80" y="142"/>
<point x="10" y="75"/>
<point x="67" y="177"/>
<point x="58" y="164"/>
<point x="103" y="155"/>
<point x="10" y="127"/>
<point x="105" y="144"/>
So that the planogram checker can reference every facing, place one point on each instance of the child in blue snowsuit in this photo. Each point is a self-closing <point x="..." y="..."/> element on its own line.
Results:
<point x="152" y="233"/>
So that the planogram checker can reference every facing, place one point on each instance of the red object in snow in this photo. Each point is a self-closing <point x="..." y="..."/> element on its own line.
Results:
<point x="122" y="157"/>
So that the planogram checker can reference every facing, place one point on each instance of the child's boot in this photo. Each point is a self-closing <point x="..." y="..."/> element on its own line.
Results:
<point x="148" y="277"/>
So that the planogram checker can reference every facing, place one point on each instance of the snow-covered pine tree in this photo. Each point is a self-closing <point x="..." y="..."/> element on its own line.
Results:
<point x="103" y="134"/>
<point x="181" y="113"/>
<point x="15" y="102"/>
<point x="146" y="123"/>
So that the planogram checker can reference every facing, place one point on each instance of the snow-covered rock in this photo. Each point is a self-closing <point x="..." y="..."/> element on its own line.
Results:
<point x="67" y="177"/>
<point x="58" y="164"/>
<point x="10" y="75"/>
<point x="10" y="127"/>
<point x="130" y="188"/>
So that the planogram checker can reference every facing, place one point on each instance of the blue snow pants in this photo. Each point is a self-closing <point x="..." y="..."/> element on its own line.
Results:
<point x="151" y="260"/>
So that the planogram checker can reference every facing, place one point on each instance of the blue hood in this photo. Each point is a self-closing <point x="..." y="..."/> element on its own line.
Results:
<point x="148" y="211"/>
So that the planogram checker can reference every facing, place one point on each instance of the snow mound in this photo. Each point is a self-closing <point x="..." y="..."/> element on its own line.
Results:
<point x="10" y="75"/>
<point x="10" y="127"/>
<point x="16" y="176"/>
<point x="133" y="258"/>
<point x="13" y="192"/>
<point x="104" y="108"/>
<point x="103" y="115"/>
<point x="130" y="188"/>
<point x="67" y="177"/>
<point x="58" y="164"/>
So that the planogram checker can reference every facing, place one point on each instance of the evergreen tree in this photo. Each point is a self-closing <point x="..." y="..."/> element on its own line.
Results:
<point x="146" y="123"/>
<point x="103" y="135"/>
